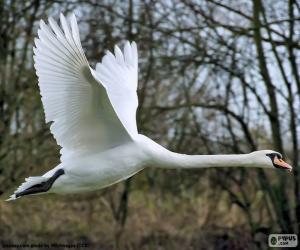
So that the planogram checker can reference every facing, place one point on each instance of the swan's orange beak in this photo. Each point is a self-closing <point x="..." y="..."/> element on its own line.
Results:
<point x="282" y="164"/>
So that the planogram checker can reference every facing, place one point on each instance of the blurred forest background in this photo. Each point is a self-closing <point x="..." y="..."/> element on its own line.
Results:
<point x="214" y="77"/>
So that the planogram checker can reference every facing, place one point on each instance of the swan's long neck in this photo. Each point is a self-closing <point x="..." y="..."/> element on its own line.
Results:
<point x="161" y="157"/>
<point x="174" y="160"/>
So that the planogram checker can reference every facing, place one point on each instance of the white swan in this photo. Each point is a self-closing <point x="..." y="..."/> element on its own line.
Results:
<point x="94" y="119"/>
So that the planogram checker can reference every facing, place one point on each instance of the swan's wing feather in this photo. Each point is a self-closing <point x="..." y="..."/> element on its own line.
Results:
<point x="77" y="103"/>
<point x="119" y="73"/>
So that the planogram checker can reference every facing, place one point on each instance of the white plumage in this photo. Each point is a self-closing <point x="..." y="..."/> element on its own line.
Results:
<point x="94" y="117"/>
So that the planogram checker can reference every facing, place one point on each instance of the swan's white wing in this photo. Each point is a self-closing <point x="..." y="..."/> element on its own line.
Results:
<point x="82" y="114"/>
<point x="118" y="73"/>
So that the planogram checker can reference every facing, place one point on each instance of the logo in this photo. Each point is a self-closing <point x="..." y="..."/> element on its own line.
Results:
<point x="283" y="240"/>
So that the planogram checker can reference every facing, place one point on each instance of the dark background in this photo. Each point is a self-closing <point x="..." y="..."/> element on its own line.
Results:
<point x="215" y="77"/>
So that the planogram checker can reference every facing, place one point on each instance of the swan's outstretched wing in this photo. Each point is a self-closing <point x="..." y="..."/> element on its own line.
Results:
<point x="77" y="103"/>
<point x="118" y="73"/>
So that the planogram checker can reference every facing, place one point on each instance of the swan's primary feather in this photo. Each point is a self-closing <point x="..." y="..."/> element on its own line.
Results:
<point x="119" y="75"/>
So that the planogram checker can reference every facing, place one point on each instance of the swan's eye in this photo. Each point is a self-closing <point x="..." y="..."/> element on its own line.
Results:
<point x="274" y="155"/>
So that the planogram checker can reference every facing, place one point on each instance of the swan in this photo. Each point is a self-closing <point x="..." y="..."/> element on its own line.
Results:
<point x="93" y="115"/>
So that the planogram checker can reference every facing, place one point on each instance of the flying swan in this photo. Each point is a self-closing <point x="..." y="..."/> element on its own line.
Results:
<point x="94" y="119"/>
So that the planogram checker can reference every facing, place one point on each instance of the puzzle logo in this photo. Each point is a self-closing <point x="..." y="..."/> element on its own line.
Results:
<point x="283" y="240"/>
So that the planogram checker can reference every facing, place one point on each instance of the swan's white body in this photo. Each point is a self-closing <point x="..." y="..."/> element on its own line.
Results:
<point x="96" y="171"/>
<point x="94" y="117"/>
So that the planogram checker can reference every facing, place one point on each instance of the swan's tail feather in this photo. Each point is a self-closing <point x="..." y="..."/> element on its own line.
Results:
<point x="36" y="184"/>
<point x="12" y="197"/>
<point x="29" y="182"/>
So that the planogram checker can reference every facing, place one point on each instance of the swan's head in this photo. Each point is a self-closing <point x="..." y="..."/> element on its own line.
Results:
<point x="271" y="159"/>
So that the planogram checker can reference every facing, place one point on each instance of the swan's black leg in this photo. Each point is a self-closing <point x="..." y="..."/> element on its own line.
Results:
<point x="43" y="186"/>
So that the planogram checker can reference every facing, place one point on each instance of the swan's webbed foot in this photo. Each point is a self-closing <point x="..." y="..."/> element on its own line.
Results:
<point x="43" y="186"/>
